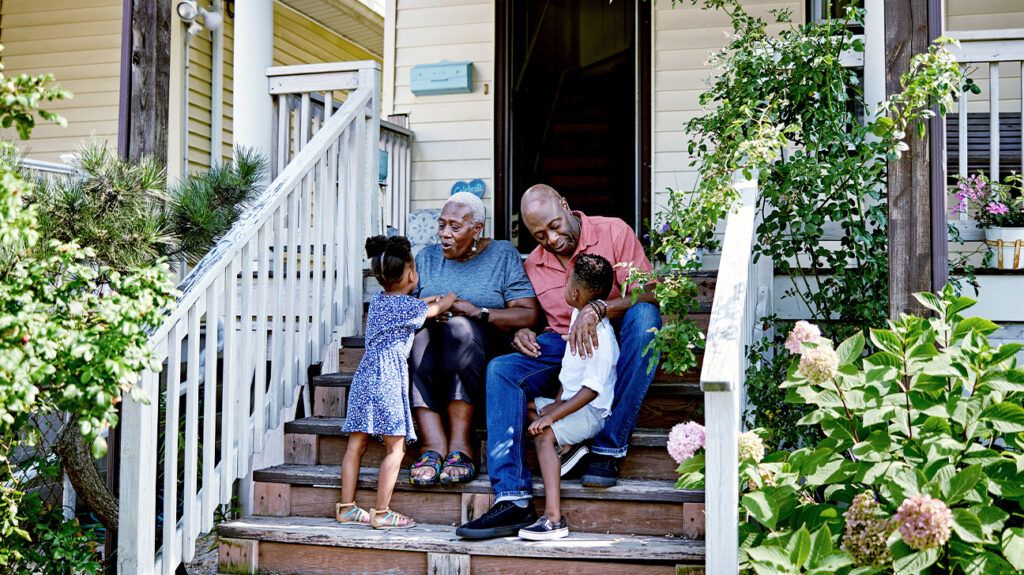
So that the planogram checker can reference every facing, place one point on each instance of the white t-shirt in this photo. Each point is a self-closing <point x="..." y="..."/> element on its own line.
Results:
<point x="596" y="372"/>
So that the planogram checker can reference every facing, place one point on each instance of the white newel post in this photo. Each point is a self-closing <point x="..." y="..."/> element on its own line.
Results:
<point x="253" y="108"/>
<point x="136" y="525"/>
<point x="254" y="53"/>
<point x="874" y="54"/>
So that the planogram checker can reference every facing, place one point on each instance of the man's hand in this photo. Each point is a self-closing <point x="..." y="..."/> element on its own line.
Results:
<point x="582" y="336"/>
<point x="540" y="424"/>
<point x="525" y="342"/>
<point x="463" y="307"/>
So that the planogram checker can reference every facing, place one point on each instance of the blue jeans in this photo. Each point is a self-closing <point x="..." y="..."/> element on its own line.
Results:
<point x="515" y="379"/>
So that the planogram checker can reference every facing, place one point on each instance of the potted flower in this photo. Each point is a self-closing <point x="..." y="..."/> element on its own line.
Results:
<point x="998" y="208"/>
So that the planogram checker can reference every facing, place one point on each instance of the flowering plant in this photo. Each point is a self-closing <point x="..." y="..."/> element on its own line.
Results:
<point x="994" y="204"/>
<point x="922" y="462"/>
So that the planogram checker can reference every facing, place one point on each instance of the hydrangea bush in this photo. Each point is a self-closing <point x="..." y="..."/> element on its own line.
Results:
<point x="922" y="465"/>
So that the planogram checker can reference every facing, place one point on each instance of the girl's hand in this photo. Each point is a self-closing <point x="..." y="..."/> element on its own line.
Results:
<point x="438" y="309"/>
<point x="463" y="307"/>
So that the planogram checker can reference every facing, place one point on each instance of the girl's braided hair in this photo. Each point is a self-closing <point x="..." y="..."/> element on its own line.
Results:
<point x="388" y="258"/>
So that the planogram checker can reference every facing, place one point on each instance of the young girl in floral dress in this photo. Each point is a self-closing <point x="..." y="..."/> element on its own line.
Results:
<point x="378" y="400"/>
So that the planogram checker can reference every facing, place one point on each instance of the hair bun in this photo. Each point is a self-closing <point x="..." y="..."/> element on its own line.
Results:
<point x="397" y="245"/>
<point x="376" y="246"/>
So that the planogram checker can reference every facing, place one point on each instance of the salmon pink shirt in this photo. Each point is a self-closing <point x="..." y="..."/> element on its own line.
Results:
<point x="610" y="238"/>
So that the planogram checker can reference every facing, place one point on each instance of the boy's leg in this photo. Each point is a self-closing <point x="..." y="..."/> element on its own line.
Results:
<point x="350" y="465"/>
<point x="551" y="471"/>
<point x="632" y="381"/>
<point x="389" y="466"/>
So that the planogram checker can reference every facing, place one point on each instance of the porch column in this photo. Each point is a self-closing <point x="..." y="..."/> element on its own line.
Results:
<point x="254" y="53"/>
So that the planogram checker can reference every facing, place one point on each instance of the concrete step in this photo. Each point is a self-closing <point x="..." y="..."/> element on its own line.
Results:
<point x="633" y="507"/>
<point x="307" y="545"/>
<point x="319" y="440"/>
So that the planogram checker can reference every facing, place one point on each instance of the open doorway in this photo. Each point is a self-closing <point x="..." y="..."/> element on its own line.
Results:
<point x="572" y="105"/>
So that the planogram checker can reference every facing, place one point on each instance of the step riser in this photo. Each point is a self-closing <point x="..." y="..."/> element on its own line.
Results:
<point x="295" y="559"/>
<point x="641" y="463"/>
<point x="657" y="410"/>
<point x="452" y="508"/>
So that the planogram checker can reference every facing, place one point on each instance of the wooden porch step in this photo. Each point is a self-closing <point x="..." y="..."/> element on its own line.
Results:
<point x="671" y="399"/>
<point x="633" y="507"/>
<point x="307" y="545"/>
<point x="319" y="440"/>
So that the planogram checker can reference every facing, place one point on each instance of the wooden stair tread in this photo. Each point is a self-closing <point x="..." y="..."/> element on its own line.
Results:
<point x="683" y="386"/>
<point x="645" y="490"/>
<point x="332" y="426"/>
<point x="442" y="539"/>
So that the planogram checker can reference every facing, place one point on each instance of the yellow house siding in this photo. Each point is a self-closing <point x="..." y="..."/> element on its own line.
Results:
<point x="79" y="42"/>
<point x="684" y="38"/>
<point x="454" y="133"/>
<point x="297" y="40"/>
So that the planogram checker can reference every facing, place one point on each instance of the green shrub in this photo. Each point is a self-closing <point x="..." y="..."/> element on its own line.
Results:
<point x="927" y="431"/>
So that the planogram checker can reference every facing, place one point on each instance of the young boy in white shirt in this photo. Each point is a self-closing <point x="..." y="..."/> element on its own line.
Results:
<point x="583" y="401"/>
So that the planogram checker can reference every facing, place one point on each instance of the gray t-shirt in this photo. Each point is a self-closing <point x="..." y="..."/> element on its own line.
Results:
<point x="487" y="280"/>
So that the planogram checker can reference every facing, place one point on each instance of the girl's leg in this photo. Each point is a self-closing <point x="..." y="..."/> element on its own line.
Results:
<point x="551" y="470"/>
<point x="388" y="475"/>
<point x="350" y="465"/>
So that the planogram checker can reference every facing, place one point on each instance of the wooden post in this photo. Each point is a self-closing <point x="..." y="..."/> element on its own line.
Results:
<point x="142" y="130"/>
<point x="909" y="179"/>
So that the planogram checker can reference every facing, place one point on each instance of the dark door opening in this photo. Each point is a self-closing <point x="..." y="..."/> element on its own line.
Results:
<point x="569" y="94"/>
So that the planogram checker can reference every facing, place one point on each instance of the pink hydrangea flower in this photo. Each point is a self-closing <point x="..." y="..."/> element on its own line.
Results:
<point x="924" y="523"/>
<point x="996" y="208"/>
<point x="685" y="440"/>
<point x="820" y="364"/>
<point x="866" y="532"/>
<point x="751" y="446"/>
<point x="802" y="331"/>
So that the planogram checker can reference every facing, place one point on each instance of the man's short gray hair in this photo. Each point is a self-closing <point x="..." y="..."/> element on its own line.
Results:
<point x="475" y="205"/>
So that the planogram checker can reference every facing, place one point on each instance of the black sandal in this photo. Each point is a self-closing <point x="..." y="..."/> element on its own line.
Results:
<point x="430" y="459"/>
<point x="459" y="460"/>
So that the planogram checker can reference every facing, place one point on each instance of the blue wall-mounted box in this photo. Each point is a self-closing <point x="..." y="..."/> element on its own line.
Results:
<point x="442" y="78"/>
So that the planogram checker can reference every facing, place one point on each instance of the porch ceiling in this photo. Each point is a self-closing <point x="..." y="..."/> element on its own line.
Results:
<point x="349" y="18"/>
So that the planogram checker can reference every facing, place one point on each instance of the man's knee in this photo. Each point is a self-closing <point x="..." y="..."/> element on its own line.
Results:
<point x="639" y="320"/>
<point x="461" y="332"/>
<point x="499" y="369"/>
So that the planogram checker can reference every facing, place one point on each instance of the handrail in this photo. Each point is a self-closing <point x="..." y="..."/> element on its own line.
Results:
<point x="253" y="315"/>
<point x="741" y="284"/>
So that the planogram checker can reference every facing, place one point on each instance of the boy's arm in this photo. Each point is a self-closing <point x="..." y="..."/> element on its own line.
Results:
<point x="558" y="401"/>
<point x="584" y="396"/>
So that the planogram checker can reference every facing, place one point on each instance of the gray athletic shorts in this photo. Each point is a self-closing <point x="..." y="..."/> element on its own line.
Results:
<point x="581" y="425"/>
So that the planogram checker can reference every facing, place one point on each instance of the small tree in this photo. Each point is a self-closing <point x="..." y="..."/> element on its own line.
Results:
<point x="72" y="333"/>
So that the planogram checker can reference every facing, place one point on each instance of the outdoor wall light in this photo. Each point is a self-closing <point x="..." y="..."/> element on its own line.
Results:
<point x="189" y="10"/>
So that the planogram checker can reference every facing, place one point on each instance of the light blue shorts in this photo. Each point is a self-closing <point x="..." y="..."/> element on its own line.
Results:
<point x="580" y="425"/>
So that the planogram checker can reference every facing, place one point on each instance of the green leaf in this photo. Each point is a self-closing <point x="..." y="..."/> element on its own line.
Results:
<point x="821" y="547"/>
<point x="967" y="526"/>
<point x="962" y="483"/>
<point x="761" y="508"/>
<point x="850" y="350"/>
<point x="986" y="563"/>
<point x="916" y="561"/>
<point x="769" y="559"/>
<point x="977" y="324"/>
<point x="887" y="341"/>
<point x="1005" y="417"/>
<point x="800" y="547"/>
<point x="1012" y="545"/>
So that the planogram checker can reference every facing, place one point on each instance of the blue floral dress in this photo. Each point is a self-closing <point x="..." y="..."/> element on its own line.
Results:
<point x="378" y="400"/>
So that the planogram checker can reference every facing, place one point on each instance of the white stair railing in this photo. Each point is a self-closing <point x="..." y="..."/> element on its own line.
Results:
<point x="263" y="302"/>
<point x="741" y="292"/>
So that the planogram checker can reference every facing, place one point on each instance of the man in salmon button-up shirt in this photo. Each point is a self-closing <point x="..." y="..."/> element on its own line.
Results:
<point x="515" y="379"/>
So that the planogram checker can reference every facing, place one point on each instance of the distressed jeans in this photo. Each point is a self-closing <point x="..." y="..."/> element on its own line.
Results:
<point x="515" y="379"/>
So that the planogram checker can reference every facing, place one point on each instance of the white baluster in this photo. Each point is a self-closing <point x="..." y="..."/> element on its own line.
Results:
<point x="210" y="485"/>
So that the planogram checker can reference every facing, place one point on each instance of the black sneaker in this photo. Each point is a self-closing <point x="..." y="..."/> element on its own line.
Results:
<point x="603" y="471"/>
<point x="544" y="529"/>
<point x="503" y="519"/>
<point x="572" y="457"/>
